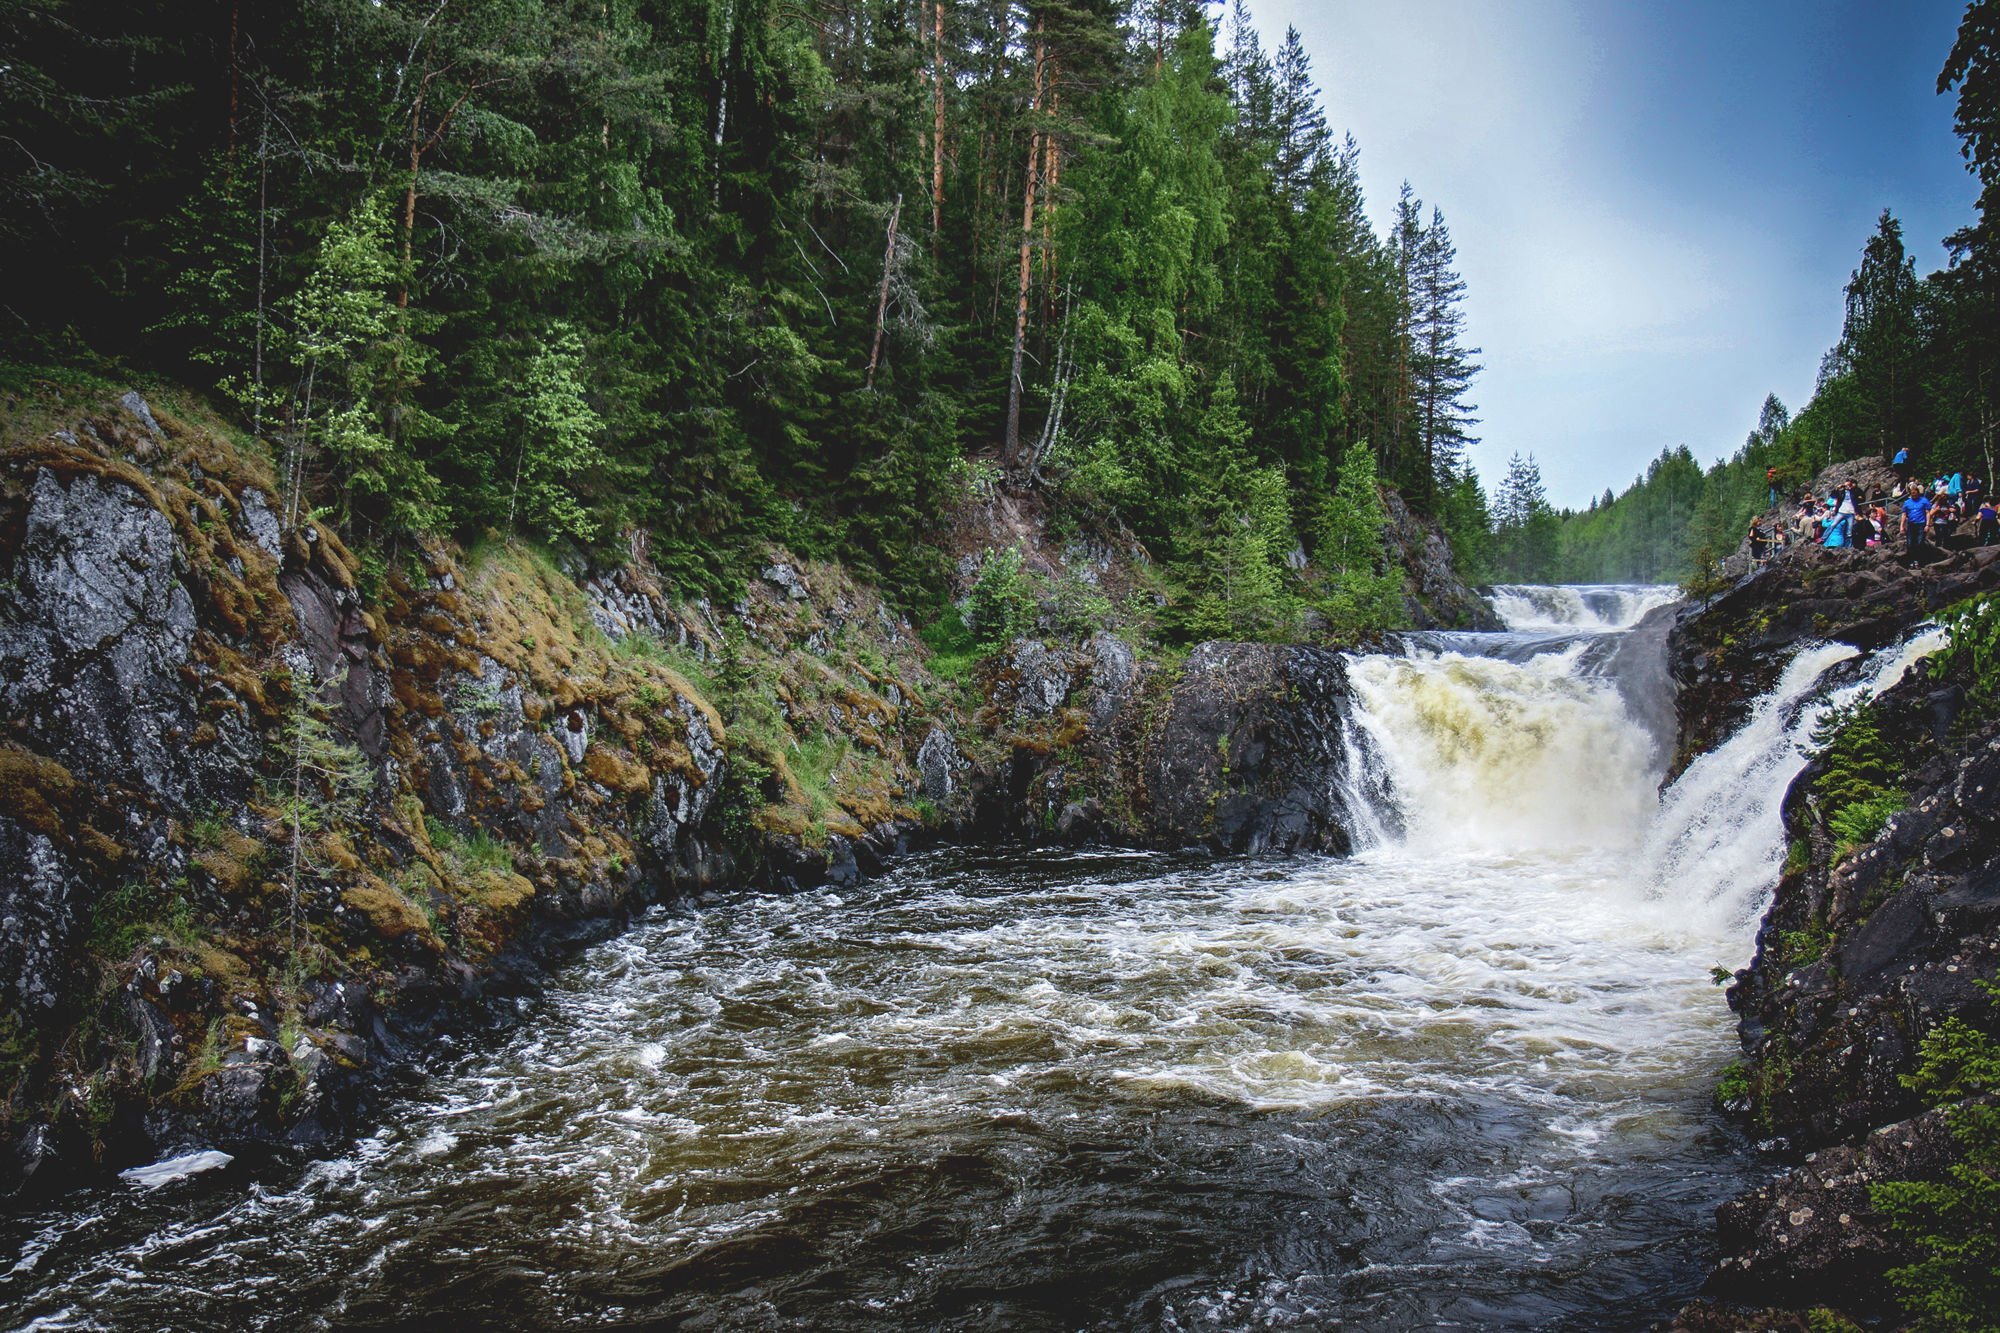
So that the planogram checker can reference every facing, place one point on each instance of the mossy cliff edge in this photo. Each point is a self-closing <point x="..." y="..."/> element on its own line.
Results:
<point x="272" y="815"/>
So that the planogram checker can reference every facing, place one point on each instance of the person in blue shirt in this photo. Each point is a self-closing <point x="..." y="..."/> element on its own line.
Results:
<point x="1916" y="513"/>
<point x="1902" y="465"/>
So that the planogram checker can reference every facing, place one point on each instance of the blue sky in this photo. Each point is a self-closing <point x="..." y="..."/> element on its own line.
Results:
<point x="1656" y="206"/>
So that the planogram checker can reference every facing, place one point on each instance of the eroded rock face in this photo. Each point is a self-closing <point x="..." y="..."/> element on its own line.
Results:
<point x="938" y="766"/>
<point x="41" y="900"/>
<point x="1249" y="755"/>
<point x="1435" y="596"/>
<point x="1040" y="678"/>
<point x="95" y="633"/>
<point x="1728" y="651"/>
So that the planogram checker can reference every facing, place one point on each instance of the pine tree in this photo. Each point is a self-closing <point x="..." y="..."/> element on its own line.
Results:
<point x="1441" y="367"/>
<point x="1877" y="352"/>
<point x="1298" y="125"/>
<point x="1526" y="532"/>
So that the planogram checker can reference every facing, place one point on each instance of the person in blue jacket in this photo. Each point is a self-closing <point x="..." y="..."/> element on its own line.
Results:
<point x="1916" y="514"/>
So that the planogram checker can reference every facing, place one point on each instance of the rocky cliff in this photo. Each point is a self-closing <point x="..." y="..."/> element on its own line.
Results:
<point x="273" y="814"/>
<point x="1886" y="917"/>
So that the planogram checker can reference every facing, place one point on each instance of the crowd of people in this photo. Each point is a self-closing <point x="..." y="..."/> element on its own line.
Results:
<point x="1912" y="517"/>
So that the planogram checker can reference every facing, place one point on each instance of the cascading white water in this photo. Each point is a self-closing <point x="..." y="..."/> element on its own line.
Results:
<point x="1596" y="608"/>
<point x="1517" y="747"/>
<point x="1717" y="845"/>
<point x="1495" y="755"/>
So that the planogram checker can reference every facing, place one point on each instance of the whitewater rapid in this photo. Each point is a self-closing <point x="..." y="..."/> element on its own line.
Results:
<point x="1462" y="1077"/>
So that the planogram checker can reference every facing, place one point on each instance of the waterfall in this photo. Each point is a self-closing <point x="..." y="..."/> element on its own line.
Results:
<point x="1523" y="743"/>
<point x="1486" y="753"/>
<point x="1595" y="608"/>
<point x="1718" y="842"/>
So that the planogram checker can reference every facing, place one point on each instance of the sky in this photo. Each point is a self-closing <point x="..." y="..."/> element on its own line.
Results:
<point x="1656" y="206"/>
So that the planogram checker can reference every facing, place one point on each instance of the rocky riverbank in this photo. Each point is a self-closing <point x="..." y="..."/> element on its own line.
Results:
<point x="273" y="815"/>
<point x="1886" y="918"/>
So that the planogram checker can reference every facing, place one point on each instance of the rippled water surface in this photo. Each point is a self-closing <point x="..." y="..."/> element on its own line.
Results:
<point x="1460" y="1080"/>
<point x="1107" y="1090"/>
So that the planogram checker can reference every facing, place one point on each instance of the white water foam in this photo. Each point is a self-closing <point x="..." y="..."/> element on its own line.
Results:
<point x="1599" y="608"/>
<point x="1452" y="753"/>
<point x="1487" y="754"/>
<point x="165" y="1172"/>
<point x="1718" y="844"/>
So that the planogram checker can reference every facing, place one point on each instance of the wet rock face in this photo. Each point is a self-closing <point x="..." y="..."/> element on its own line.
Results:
<point x="1864" y="949"/>
<point x="1114" y="670"/>
<point x="1249" y="754"/>
<point x="938" y="767"/>
<point x="1907" y="924"/>
<point x="40" y="905"/>
<point x="1040" y="678"/>
<point x="94" y="637"/>
<point x="1812" y="1237"/>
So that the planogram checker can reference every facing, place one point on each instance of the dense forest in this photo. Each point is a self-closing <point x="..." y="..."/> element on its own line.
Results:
<point x="1915" y="367"/>
<point x="718" y="273"/>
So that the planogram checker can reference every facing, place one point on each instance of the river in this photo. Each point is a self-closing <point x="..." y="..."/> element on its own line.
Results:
<point x="1459" y="1079"/>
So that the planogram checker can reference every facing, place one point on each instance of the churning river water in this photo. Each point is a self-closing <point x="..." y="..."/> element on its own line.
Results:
<point x="1459" y="1079"/>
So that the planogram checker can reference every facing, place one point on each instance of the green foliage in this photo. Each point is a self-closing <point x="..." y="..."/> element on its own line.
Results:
<point x="1972" y="648"/>
<point x="557" y="440"/>
<point x="1819" y="1319"/>
<point x="688" y="204"/>
<point x="954" y="649"/>
<point x="1954" y="1222"/>
<point x="474" y="851"/>
<point x="1364" y="591"/>
<point x="134" y="912"/>
<point x="1794" y="949"/>
<point x="1857" y="823"/>
<point x="1002" y="603"/>
<point x="1858" y="787"/>
<point x="1231" y="578"/>
<point x="359" y="362"/>
<point x="1527" y="533"/>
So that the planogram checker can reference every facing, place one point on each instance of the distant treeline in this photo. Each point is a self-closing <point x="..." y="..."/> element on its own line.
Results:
<point x="727" y="271"/>
<point x="1917" y="366"/>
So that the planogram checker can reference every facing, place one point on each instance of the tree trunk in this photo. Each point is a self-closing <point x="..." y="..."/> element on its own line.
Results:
<point x="1011" y="445"/>
<point x="882" y="301"/>
<point x="235" y="34"/>
<point x="937" y="126"/>
<point x="410" y="194"/>
<point x="1051" y="177"/>
<point x="263" y="274"/>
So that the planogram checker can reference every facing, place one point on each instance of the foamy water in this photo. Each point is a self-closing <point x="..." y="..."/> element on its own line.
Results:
<point x="1591" y="607"/>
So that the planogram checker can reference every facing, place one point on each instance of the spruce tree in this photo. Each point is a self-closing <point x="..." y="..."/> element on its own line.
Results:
<point x="1441" y="366"/>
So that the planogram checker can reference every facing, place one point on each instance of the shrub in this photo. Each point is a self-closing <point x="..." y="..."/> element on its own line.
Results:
<point x="1972" y="644"/>
<point x="1002" y="604"/>
<point x="1954" y="1222"/>
<point x="1857" y="789"/>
